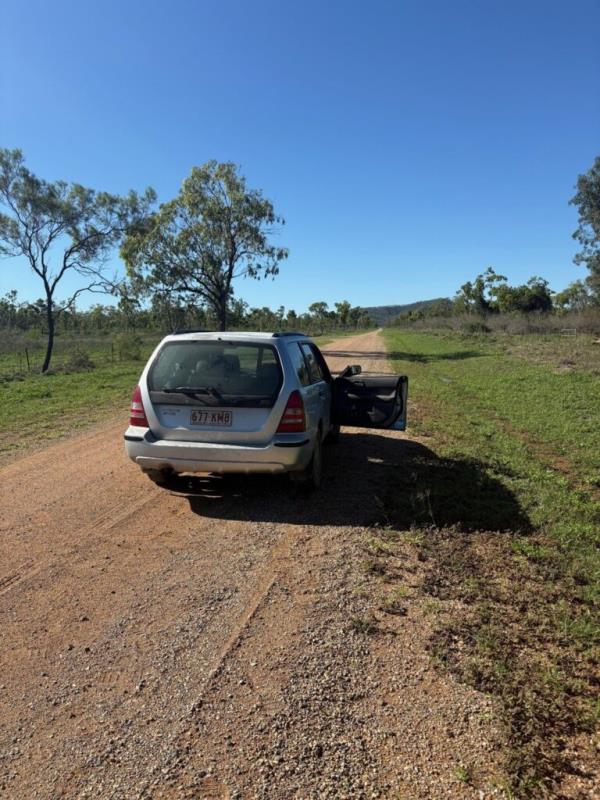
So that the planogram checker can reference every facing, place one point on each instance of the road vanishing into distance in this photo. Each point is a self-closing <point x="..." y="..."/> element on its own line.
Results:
<point x="222" y="641"/>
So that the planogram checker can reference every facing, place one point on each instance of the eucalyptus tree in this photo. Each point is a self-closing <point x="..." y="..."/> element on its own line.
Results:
<point x="342" y="310"/>
<point x="575" y="297"/>
<point x="215" y="230"/>
<point x="319" y="311"/>
<point x="61" y="229"/>
<point x="587" y="200"/>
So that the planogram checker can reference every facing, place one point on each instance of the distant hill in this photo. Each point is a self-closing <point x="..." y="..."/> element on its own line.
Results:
<point x="383" y="314"/>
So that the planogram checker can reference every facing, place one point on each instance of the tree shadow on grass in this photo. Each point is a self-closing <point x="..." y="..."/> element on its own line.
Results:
<point x="370" y="478"/>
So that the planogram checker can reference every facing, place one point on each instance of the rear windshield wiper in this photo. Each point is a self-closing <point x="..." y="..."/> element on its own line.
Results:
<point x="194" y="391"/>
<point x="249" y="401"/>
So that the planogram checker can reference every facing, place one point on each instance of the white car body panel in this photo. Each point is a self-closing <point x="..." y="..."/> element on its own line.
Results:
<point x="251" y="444"/>
<point x="232" y="424"/>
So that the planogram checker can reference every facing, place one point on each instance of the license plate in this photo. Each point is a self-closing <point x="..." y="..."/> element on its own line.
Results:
<point x="212" y="419"/>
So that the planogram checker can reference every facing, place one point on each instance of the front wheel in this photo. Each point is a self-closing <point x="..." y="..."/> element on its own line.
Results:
<point x="311" y="476"/>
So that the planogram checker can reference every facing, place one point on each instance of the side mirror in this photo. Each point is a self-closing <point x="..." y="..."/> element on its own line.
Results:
<point x="350" y="371"/>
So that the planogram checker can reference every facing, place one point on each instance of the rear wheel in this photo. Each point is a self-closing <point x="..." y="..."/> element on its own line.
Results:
<point x="311" y="476"/>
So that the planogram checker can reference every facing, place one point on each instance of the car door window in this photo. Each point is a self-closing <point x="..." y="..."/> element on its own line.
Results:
<point x="300" y="365"/>
<point x="314" y="368"/>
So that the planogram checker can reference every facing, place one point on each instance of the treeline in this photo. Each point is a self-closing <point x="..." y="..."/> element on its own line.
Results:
<point x="189" y="249"/>
<point x="165" y="314"/>
<point x="184" y="256"/>
<point x="490" y="294"/>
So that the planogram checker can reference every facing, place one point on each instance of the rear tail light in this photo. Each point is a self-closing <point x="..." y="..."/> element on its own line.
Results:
<point x="293" y="419"/>
<point x="137" y="415"/>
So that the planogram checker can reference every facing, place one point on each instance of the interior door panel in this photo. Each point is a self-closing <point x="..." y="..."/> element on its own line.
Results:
<point x="370" y="401"/>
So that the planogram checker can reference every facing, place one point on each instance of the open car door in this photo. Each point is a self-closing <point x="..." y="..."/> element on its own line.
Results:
<point x="370" y="401"/>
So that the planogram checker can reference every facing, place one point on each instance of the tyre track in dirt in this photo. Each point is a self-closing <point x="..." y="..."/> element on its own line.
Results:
<point x="199" y="644"/>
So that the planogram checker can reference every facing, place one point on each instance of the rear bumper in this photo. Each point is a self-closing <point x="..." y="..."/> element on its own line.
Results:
<point x="286" y="453"/>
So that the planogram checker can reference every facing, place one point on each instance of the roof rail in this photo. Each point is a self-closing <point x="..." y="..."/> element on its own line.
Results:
<point x="289" y="333"/>
<point x="189" y="330"/>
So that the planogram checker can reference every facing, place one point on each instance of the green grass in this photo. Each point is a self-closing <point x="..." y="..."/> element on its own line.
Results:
<point x="45" y="407"/>
<point x="25" y="355"/>
<point x="36" y="408"/>
<point x="507" y="493"/>
<point x="559" y="411"/>
<point x="363" y="625"/>
<point x="463" y="774"/>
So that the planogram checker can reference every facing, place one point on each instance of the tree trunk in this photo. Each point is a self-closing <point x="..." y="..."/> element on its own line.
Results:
<point x="50" y="343"/>
<point x="222" y="313"/>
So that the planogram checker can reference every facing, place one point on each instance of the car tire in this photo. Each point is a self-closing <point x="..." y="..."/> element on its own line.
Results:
<point x="311" y="476"/>
<point x="334" y="435"/>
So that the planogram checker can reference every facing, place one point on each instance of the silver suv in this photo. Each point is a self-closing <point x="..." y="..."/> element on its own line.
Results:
<point x="250" y="402"/>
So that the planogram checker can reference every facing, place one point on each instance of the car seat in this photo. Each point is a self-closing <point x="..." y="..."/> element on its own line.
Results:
<point x="268" y="378"/>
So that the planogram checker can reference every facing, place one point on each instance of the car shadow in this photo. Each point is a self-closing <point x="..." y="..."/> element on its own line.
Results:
<point x="419" y="358"/>
<point x="369" y="478"/>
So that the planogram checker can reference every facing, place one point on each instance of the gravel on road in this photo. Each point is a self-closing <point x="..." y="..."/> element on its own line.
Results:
<point x="223" y="641"/>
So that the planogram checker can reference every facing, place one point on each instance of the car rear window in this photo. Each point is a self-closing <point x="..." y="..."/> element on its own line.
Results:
<point x="231" y="370"/>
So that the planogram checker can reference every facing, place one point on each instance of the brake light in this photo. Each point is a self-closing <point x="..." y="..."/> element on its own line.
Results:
<point x="137" y="415"/>
<point x="293" y="419"/>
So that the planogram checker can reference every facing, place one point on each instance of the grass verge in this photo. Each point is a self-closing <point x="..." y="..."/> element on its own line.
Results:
<point x="505" y="515"/>
<point x="41" y="408"/>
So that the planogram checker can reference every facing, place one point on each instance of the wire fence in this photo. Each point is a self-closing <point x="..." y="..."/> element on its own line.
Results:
<point x="19" y="359"/>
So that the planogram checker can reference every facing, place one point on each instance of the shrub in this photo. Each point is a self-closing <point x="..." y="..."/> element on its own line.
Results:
<point x="128" y="346"/>
<point x="80" y="360"/>
<point x="475" y="327"/>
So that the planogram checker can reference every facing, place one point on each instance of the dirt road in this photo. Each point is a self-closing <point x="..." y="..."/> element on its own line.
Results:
<point x="213" y="644"/>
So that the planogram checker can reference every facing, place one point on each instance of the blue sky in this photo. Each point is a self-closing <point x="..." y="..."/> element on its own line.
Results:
<point x="407" y="144"/>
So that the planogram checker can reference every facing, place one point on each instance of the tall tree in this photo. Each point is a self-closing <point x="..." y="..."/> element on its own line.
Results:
<point x="342" y="310"/>
<point x="587" y="200"/>
<point x="535" y="295"/>
<point x="319" y="310"/>
<point x="213" y="232"/>
<point x="61" y="229"/>
<point x="575" y="297"/>
<point x="477" y="296"/>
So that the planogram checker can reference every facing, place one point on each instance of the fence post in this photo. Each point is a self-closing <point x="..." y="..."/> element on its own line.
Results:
<point x="27" y="357"/>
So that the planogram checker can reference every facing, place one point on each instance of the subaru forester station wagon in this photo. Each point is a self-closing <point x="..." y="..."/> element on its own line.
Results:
<point x="248" y="403"/>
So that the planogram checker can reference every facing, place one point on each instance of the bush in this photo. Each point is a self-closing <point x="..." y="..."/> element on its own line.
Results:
<point x="128" y="346"/>
<point x="587" y="322"/>
<point x="475" y="327"/>
<point x="80" y="360"/>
